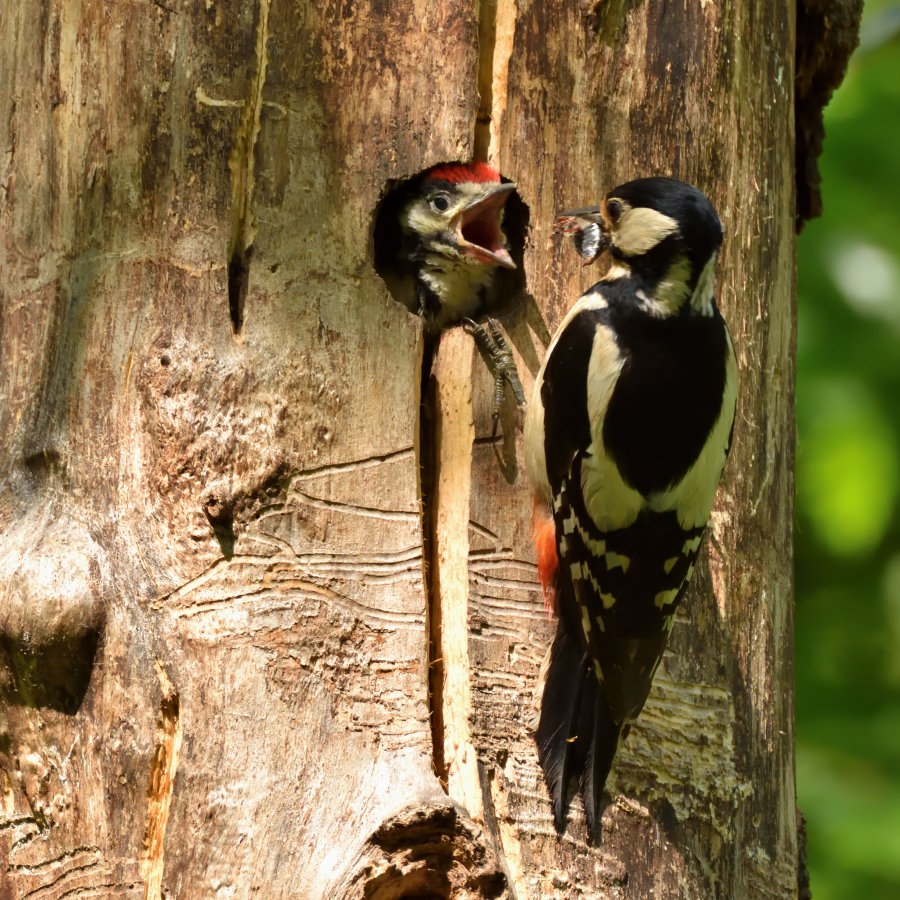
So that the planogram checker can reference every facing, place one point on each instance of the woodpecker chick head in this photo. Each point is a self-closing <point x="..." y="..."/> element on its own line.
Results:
<point x="666" y="235"/>
<point x="451" y="242"/>
<point x="457" y="214"/>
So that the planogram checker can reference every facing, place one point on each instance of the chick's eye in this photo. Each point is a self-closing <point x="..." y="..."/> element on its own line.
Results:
<point x="440" y="202"/>
<point x="613" y="210"/>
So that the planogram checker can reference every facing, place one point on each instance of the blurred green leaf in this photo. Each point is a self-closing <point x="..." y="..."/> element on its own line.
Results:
<point x="855" y="810"/>
<point x="848" y="480"/>
<point x="847" y="467"/>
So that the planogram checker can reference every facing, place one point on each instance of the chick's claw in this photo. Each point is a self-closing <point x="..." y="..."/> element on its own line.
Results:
<point x="493" y="345"/>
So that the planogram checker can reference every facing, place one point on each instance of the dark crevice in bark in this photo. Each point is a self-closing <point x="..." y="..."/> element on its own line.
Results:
<point x="391" y="262"/>
<point x="238" y="279"/>
<point x="389" y="257"/>
<point x="242" y="165"/>
<point x="53" y="674"/>
<point x="428" y="476"/>
<point x="608" y="19"/>
<point x="218" y="506"/>
<point x="487" y="37"/>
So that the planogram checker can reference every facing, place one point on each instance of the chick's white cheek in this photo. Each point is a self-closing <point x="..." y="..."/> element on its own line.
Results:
<point x="419" y="219"/>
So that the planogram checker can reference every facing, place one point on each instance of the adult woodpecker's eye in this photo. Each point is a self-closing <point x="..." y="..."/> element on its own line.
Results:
<point x="439" y="202"/>
<point x="613" y="210"/>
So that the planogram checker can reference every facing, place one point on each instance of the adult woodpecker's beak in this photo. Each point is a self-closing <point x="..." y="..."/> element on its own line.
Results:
<point x="478" y="230"/>
<point x="587" y="229"/>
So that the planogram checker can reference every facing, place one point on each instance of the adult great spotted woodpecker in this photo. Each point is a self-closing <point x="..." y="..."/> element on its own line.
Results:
<point x="625" y="440"/>
<point x="438" y="245"/>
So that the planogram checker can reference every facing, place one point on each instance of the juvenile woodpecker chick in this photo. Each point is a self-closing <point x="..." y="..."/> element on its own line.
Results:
<point x="625" y="439"/>
<point x="452" y="242"/>
<point x="438" y="245"/>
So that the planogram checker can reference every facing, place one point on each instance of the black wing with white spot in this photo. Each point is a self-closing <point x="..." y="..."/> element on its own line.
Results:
<point x="627" y="584"/>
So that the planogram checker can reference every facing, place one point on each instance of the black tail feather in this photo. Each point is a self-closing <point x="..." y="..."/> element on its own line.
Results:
<point x="559" y="720"/>
<point x="576" y="736"/>
<point x="604" y="742"/>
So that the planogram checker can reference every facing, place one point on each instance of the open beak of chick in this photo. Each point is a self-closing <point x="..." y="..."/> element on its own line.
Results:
<point x="478" y="227"/>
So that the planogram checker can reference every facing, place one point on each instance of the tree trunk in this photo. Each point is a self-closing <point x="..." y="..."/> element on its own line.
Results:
<point x="235" y="544"/>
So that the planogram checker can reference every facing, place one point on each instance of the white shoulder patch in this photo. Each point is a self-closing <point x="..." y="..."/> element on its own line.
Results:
<point x="604" y="368"/>
<point x="535" y="458"/>
<point x="609" y="501"/>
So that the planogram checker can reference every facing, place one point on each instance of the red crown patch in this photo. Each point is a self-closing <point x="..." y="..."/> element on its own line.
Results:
<point x="456" y="173"/>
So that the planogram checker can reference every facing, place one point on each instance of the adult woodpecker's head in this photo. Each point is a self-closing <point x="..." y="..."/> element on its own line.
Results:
<point x="661" y="232"/>
<point x="453" y="240"/>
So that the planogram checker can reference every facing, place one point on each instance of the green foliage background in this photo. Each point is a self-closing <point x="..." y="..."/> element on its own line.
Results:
<point x="848" y="480"/>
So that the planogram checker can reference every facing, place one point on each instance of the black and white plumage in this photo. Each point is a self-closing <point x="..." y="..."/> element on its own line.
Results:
<point x="625" y="441"/>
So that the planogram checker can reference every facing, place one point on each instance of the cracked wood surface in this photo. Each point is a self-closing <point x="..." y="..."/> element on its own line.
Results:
<point x="213" y="617"/>
<point x="213" y="608"/>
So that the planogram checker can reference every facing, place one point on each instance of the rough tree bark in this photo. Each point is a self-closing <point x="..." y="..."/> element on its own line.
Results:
<point x="218" y="608"/>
